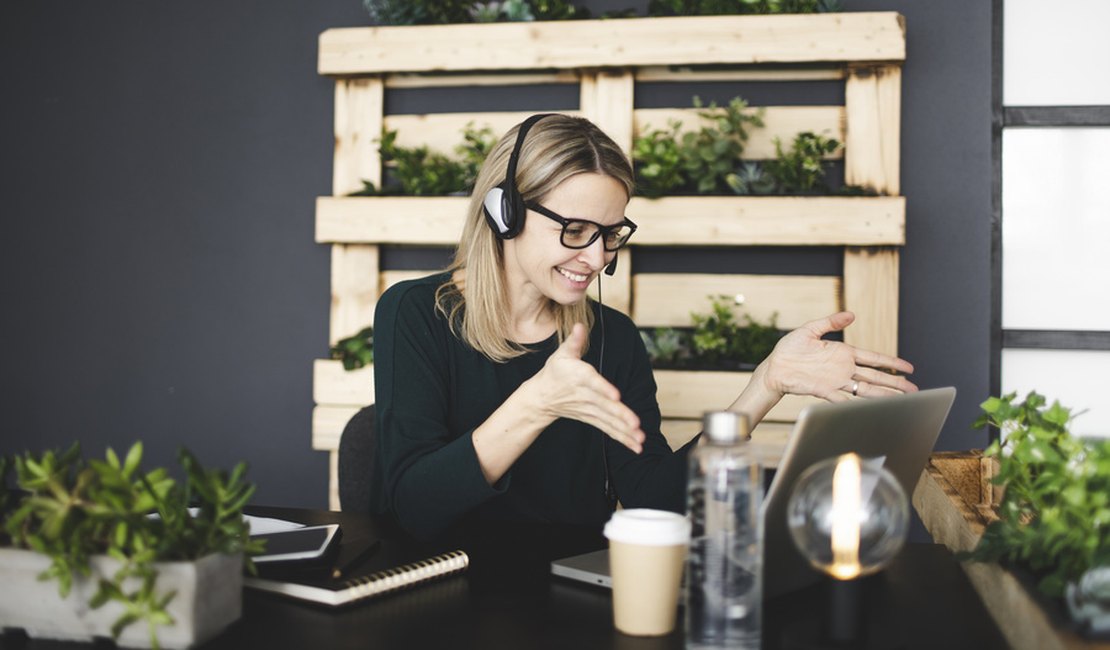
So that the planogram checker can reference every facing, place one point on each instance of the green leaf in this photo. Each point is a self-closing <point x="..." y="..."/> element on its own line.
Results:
<point x="134" y="457"/>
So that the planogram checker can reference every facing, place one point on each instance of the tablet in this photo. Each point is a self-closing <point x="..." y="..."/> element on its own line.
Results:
<point x="299" y="544"/>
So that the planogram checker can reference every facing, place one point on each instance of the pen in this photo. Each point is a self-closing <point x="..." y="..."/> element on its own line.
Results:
<point x="340" y="570"/>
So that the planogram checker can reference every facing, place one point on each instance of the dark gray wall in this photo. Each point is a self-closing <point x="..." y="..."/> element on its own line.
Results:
<point x="160" y="280"/>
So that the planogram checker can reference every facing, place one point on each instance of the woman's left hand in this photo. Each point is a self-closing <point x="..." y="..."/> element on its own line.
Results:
<point x="803" y="363"/>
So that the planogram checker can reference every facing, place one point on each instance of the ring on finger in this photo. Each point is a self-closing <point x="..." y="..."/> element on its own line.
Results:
<point x="855" y="388"/>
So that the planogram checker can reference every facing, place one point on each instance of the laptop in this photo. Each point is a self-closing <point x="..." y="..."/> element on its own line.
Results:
<point x="899" y="432"/>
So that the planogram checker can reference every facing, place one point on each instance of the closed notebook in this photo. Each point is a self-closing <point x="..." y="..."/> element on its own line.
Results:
<point x="320" y="588"/>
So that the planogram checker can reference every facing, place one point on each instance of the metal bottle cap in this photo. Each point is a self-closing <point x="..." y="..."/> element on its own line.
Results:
<point x="725" y="427"/>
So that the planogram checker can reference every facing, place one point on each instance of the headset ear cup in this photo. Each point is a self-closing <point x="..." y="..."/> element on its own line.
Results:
<point x="493" y="205"/>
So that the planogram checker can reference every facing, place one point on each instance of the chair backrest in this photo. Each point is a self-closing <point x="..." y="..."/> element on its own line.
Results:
<point x="358" y="446"/>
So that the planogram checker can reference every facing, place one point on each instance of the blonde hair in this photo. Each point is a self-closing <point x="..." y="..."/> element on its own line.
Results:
<point x="554" y="149"/>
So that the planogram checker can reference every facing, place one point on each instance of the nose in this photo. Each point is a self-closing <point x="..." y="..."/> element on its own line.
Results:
<point x="595" y="256"/>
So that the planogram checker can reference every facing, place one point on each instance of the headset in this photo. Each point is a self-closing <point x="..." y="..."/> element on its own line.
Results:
<point x="503" y="206"/>
<point x="504" y="210"/>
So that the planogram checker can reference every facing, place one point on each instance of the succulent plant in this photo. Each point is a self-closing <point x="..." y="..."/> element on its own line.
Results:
<point x="751" y="178"/>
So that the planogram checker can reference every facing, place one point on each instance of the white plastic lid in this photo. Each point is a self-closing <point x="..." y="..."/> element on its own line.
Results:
<point x="648" y="527"/>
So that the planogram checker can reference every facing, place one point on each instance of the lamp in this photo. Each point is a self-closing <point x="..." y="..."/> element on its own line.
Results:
<point x="848" y="516"/>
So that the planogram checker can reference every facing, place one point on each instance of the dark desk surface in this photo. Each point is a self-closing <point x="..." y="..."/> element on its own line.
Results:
<point x="508" y="599"/>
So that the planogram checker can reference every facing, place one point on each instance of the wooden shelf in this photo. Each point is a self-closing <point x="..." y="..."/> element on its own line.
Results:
<point x="668" y="221"/>
<point x="682" y="40"/>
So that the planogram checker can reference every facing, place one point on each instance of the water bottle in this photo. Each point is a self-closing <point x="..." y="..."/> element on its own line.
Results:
<point x="724" y="577"/>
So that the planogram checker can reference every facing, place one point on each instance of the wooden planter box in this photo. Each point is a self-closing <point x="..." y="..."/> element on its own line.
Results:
<point x="955" y="500"/>
<point x="607" y="60"/>
<point x="209" y="598"/>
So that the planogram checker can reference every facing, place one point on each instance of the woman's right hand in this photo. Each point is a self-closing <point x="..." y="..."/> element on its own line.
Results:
<point x="568" y="387"/>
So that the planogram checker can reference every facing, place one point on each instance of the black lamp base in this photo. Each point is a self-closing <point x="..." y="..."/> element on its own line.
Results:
<point x="844" y="623"/>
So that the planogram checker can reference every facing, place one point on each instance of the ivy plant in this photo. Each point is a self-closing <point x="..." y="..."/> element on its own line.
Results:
<point x="1054" y="517"/>
<point x="355" y="351"/>
<point x="419" y="171"/>
<point x="72" y="509"/>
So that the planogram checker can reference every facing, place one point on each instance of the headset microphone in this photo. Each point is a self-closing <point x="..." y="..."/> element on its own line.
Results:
<point x="610" y="269"/>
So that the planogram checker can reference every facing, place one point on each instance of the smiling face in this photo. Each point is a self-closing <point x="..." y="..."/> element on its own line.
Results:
<point x="538" y="267"/>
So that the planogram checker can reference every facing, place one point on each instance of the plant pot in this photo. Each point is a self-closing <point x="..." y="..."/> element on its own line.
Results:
<point x="209" y="598"/>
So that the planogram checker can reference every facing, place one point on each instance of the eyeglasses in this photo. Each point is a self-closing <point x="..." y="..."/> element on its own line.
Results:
<point x="580" y="233"/>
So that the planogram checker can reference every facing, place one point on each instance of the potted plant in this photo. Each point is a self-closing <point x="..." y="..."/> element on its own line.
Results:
<point x="1054" y="516"/>
<point x="91" y="547"/>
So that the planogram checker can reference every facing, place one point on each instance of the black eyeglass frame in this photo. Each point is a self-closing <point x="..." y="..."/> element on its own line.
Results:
<point x="564" y="222"/>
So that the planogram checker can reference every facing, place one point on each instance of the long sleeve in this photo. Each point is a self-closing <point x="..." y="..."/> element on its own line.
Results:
<point x="656" y="478"/>
<point x="431" y="476"/>
<point x="433" y="391"/>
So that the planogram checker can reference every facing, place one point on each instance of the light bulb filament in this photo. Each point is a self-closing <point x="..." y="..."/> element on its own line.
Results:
<point x="845" y="515"/>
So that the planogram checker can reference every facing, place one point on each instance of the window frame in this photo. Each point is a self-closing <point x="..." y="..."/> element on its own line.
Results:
<point x="1003" y="117"/>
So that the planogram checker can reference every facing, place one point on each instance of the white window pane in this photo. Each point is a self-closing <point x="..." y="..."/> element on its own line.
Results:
<point x="1056" y="228"/>
<point x="1079" y="379"/>
<point x="1055" y="53"/>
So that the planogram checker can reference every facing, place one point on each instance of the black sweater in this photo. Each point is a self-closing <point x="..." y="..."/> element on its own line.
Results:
<point x="433" y="390"/>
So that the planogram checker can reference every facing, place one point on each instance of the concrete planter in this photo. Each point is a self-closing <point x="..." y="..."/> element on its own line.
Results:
<point x="209" y="598"/>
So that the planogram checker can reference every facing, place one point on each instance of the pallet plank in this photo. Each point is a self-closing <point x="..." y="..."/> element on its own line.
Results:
<point x="872" y="98"/>
<point x="682" y="40"/>
<point x="354" y="289"/>
<point x="668" y="221"/>
<point x="871" y="293"/>
<point x="690" y="393"/>
<point x="668" y="299"/>
<point x="768" y="221"/>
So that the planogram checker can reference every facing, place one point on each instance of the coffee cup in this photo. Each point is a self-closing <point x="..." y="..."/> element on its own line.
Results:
<point x="647" y="552"/>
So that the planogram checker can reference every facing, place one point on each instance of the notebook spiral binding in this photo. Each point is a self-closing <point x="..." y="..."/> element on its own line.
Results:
<point x="409" y="574"/>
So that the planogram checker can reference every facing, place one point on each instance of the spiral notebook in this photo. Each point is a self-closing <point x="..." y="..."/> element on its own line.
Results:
<point x="322" y="589"/>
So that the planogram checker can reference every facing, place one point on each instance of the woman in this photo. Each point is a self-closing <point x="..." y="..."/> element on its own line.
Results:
<point x="504" y="394"/>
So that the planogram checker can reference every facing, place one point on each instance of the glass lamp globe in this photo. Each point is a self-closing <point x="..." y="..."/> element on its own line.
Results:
<point x="848" y="516"/>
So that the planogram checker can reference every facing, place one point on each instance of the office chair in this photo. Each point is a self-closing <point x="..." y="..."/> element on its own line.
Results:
<point x="357" y="446"/>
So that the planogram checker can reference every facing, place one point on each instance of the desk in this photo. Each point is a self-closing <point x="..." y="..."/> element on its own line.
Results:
<point x="509" y="600"/>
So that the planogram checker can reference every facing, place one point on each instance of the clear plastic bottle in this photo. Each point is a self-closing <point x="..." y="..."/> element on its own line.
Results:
<point x="724" y="576"/>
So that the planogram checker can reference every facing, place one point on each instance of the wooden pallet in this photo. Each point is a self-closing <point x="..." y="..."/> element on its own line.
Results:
<point x="606" y="59"/>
